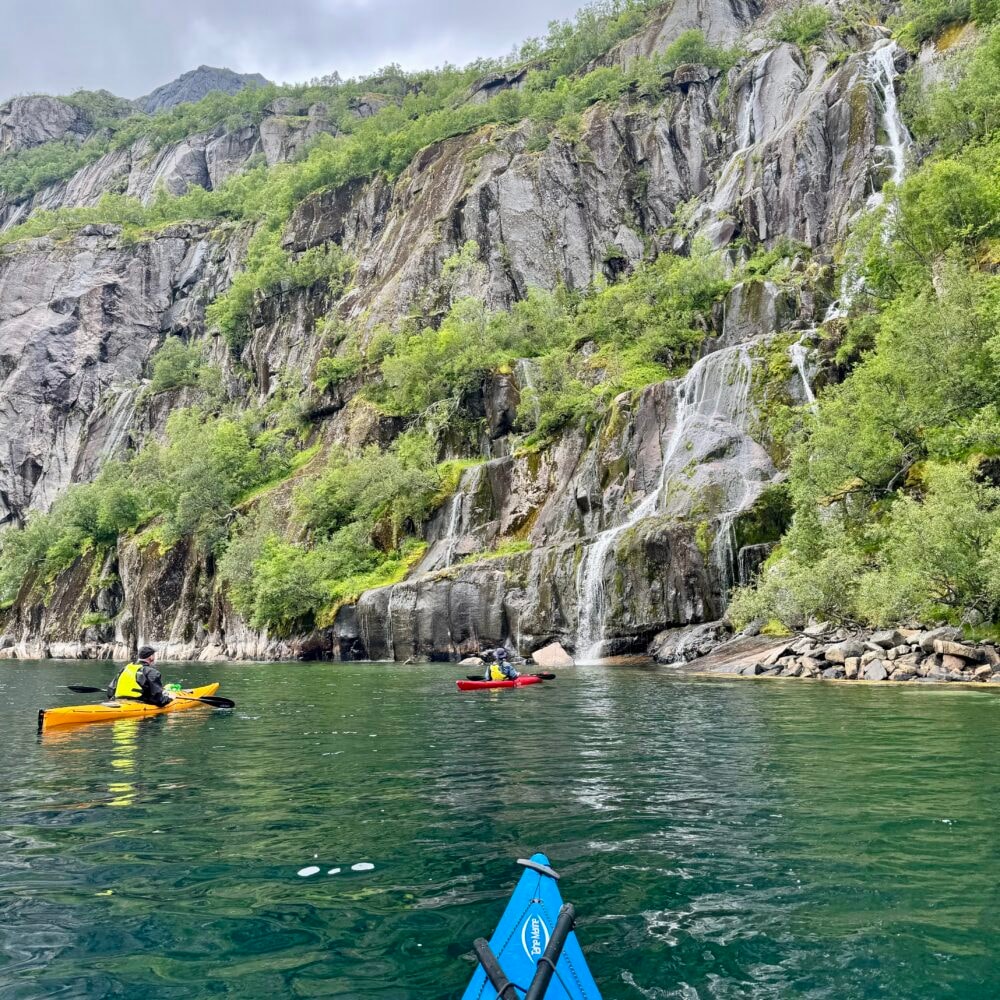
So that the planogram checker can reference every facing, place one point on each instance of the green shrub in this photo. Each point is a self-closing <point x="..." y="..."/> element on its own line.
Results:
<point x="692" y="47"/>
<point x="331" y="371"/>
<point x="984" y="11"/>
<point x="802" y="25"/>
<point x="102" y="108"/>
<point x="396" y="489"/>
<point x="923" y="19"/>
<point x="279" y="584"/>
<point x="964" y="107"/>
<point x="89" y="515"/>
<point x="176" y="364"/>
<point x="571" y="44"/>
<point x="646" y="326"/>
<point x="269" y="270"/>
<point x="27" y="171"/>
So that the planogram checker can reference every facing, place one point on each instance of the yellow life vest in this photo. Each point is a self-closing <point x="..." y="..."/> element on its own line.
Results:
<point x="496" y="673"/>
<point x="127" y="683"/>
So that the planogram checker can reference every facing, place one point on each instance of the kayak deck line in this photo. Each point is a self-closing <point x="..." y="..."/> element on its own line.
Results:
<point x="75" y="715"/>
<point x="534" y="953"/>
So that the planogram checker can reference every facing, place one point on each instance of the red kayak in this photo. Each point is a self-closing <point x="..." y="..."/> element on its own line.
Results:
<point x="477" y="685"/>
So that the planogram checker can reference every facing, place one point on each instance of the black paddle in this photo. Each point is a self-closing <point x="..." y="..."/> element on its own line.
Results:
<point x="207" y="699"/>
<point x="544" y="677"/>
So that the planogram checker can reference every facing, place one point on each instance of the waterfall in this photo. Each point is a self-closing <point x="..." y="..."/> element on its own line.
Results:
<point x="390" y="638"/>
<point x="799" y="354"/>
<point x="464" y="493"/>
<point x="882" y="67"/>
<point x="454" y="519"/>
<point x="526" y="371"/>
<point x="712" y="399"/>
<point x="881" y="72"/>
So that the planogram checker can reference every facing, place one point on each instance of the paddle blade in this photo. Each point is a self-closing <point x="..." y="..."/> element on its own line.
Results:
<point x="213" y="701"/>
<point x="80" y="689"/>
<point x="545" y="677"/>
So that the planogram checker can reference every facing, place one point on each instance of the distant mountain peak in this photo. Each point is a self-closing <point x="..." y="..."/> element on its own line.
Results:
<point x="195" y="84"/>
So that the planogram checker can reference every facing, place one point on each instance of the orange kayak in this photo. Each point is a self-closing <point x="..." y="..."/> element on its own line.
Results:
<point x="108" y="711"/>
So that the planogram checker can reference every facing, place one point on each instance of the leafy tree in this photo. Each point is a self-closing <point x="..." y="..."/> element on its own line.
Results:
<point x="176" y="364"/>
<point x="923" y="19"/>
<point x="937" y="554"/>
<point x="964" y="107"/>
<point x="25" y="172"/>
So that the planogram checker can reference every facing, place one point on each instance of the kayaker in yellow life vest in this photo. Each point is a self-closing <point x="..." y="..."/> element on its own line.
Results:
<point x="140" y="681"/>
<point x="498" y="665"/>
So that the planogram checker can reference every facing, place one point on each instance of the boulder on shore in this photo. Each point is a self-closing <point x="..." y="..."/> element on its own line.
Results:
<point x="874" y="671"/>
<point x="552" y="655"/>
<point x="887" y="638"/>
<point x="945" y="633"/>
<point x="956" y="649"/>
<point x="953" y="664"/>
<point x="472" y="661"/>
<point x="842" y="651"/>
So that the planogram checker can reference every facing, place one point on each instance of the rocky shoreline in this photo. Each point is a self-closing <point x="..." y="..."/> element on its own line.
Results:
<point x="922" y="656"/>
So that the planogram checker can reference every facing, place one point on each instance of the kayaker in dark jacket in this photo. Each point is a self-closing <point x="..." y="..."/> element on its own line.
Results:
<point x="140" y="681"/>
<point x="498" y="665"/>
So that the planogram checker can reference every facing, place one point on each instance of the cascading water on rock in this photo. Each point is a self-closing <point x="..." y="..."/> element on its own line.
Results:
<point x="799" y="355"/>
<point x="712" y="415"/>
<point x="882" y="73"/>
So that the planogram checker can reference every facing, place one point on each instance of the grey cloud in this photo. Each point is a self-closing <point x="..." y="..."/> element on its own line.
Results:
<point x="132" y="46"/>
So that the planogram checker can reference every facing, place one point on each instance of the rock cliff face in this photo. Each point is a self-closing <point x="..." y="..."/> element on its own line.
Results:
<point x="30" y="121"/>
<point x="195" y="84"/>
<point x="637" y="529"/>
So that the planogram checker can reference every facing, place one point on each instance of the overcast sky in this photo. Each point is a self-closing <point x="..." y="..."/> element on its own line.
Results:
<point x="131" y="46"/>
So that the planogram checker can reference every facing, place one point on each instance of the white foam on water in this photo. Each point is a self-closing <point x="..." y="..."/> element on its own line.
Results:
<point x="362" y="866"/>
<point x="334" y="871"/>
<point x="306" y="872"/>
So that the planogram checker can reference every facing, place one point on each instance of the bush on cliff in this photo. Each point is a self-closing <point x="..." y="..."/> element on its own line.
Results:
<point x="639" y="331"/>
<point x="803" y="24"/>
<point x="87" y="516"/>
<point x="359" y="516"/>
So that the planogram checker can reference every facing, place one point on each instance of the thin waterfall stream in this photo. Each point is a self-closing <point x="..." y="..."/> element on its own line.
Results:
<point x="799" y="355"/>
<point x="468" y="486"/>
<point x="882" y="73"/>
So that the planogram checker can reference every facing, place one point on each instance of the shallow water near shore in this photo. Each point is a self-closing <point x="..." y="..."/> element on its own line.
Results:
<point x="720" y="839"/>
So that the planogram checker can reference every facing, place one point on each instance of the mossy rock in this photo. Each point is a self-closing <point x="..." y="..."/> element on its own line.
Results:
<point x="768" y="519"/>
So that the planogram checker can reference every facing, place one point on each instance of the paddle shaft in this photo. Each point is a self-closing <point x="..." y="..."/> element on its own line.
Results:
<point x="497" y="977"/>
<point x="206" y="700"/>
<point x="547" y="963"/>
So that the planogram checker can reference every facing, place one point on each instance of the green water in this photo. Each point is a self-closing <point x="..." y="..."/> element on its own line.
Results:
<point x="719" y="839"/>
